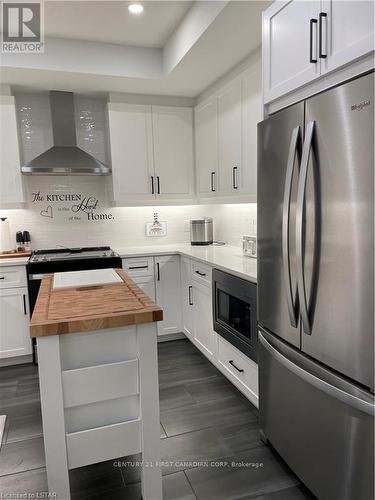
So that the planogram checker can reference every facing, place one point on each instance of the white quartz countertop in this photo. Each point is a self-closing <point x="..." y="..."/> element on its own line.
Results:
<point x="14" y="261"/>
<point x="226" y="257"/>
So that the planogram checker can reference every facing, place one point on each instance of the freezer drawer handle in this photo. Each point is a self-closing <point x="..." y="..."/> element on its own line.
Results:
<point x="231" y="362"/>
<point x="329" y="389"/>
<point x="293" y="306"/>
<point x="300" y="227"/>
<point x="2" y="277"/>
<point x="138" y="267"/>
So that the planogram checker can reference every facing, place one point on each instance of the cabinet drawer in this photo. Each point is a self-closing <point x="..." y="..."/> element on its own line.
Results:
<point x="138" y="266"/>
<point x="201" y="273"/>
<point x="241" y="370"/>
<point x="12" y="276"/>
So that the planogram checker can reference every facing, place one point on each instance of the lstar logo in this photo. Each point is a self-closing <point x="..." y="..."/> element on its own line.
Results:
<point x="22" y="24"/>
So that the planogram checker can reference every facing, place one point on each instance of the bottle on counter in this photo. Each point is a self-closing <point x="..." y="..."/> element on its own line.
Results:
<point x="19" y="241"/>
<point x="26" y="241"/>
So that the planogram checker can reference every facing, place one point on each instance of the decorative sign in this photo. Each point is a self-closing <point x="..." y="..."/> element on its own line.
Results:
<point x="67" y="203"/>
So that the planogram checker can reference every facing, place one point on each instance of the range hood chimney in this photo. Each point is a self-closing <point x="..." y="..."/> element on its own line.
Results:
<point x="65" y="157"/>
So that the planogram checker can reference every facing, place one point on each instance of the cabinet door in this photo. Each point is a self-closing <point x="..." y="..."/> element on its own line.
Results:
<point x="14" y="323"/>
<point x="347" y="31"/>
<point x="187" y="297"/>
<point x="168" y="293"/>
<point x="251" y="116"/>
<point x="173" y="152"/>
<point x="206" y="148"/>
<point x="204" y="334"/>
<point x="229" y="134"/>
<point x="147" y="284"/>
<point x="287" y="33"/>
<point x="10" y="174"/>
<point x="131" y="151"/>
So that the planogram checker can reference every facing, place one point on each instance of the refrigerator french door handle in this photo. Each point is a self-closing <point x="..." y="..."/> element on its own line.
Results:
<point x="301" y="285"/>
<point x="329" y="389"/>
<point x="291" y="301"/>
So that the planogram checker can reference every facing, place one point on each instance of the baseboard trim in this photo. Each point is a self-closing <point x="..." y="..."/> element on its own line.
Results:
<point x="17" y="360"/>
<point x="171" y="336"/>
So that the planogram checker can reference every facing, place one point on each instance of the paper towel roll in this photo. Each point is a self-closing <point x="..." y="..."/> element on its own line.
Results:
<point x="5" y="239"/>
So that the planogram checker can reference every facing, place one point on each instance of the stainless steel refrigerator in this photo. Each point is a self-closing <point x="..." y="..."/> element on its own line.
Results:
<point x="316" y="288"/>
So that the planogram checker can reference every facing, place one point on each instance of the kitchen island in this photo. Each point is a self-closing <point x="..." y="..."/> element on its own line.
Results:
<point x="96" y="339"/>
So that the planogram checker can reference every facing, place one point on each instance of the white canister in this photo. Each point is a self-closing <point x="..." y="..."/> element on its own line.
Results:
<point x="5" y="240"/>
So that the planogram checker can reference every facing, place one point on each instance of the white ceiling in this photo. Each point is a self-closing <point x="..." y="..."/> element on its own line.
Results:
<point x="111" y="22"/>
<point x="233" y="34"/>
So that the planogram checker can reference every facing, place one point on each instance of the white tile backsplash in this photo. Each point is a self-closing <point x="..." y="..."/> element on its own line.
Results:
<point x="126" y="228"/>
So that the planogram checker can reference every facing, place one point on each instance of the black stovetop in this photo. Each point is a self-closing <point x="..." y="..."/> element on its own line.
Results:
<point x="73" y="259"/>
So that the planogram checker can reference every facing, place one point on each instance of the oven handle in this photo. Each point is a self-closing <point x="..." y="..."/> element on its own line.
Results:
<point x="34" y="277"/>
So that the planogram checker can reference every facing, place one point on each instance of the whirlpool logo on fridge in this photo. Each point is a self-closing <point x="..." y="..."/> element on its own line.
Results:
<point x="22" y="27"/>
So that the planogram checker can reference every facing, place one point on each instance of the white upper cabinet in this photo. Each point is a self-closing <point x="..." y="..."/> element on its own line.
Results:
<point x="229" y="135"/>
<point x="290" y="46"/>
<point x="226" y="139"/>
<point x="303" y="40"/>
<point x="173" y="152"/>
<point x="11" y="191"/>
<point x="251" y="116"/>
<point x="347" y="31"/>
<point x="152" y="153"/>
<point x="206" y="148"/>
<point x="131" y="152"/>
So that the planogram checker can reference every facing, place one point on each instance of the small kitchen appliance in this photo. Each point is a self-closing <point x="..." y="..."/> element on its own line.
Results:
<point x="201" y="231"/>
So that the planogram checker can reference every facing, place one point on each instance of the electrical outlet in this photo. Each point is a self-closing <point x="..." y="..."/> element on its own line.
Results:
<point x="186" y="226"/>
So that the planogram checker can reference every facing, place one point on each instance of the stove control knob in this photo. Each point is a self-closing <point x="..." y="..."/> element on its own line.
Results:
<point x="44" y="258"/>
<point x="105" y="254"/>
<point x="113" y="254"/>
<point x="36" y="259"/>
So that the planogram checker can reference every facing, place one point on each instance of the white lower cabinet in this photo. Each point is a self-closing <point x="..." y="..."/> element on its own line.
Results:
<point x="239" y="369"/>
<point x="203" y="332"/>
<point x="182" y="288"/>
<point x="168" y="293"/>
<point x="187" y="297"/>
<point x="14" y="323"/>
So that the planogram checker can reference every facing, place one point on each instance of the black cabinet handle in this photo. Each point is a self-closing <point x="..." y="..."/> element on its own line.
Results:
<point x="213" y="188"/>
<point x="2" y="277"/>
<point x="236" y="367"/>
<point x="312" y="23"/>
<point x="24" y="304"/>
<point x="190" y="297"/>
<point x="158" y="270"/>
<point x="138" y="267"/>
<point x="200" y="274"/>
<point x="235" y="186"/>
<point x="158" y="182"/>
<point x="152" y="185"/>
<point x="322" y="15"/>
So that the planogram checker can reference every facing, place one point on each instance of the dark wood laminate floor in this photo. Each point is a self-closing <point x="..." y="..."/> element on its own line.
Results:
<point x="206" y="425"/>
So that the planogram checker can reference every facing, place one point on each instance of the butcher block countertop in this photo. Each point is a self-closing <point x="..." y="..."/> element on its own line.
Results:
<point x="89" y="308"/>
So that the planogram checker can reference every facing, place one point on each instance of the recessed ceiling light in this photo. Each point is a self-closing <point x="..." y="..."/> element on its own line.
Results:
<point x="135" y="8"/>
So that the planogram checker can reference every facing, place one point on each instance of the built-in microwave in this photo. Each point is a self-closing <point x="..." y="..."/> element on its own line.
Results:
<point x="235" y="311"/>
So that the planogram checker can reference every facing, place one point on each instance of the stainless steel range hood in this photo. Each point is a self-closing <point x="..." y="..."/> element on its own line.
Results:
<point x="65" y="157"/>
